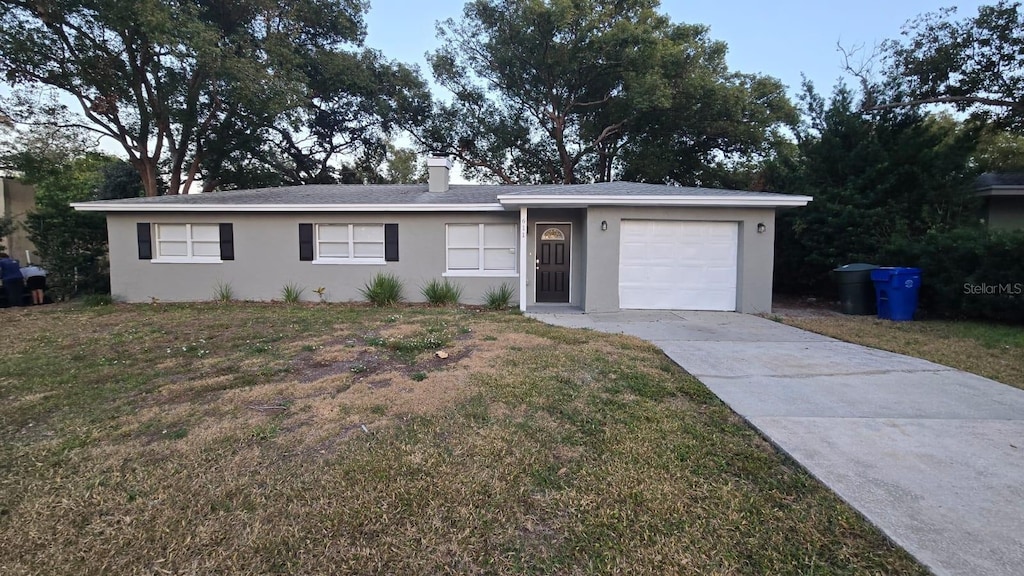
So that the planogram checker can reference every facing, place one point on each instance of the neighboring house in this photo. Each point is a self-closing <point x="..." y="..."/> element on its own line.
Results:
<point x="17" y="199"/>
<point x="597" y="247"/>
<point x="1003" y="197"/>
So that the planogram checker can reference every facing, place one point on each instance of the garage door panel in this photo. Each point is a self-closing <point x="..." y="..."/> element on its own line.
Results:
<point x="678" y="265"/>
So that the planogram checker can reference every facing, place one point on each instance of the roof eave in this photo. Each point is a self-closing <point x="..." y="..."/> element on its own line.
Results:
<point x="680" y="201"/>
<point x="1007" y="190"/>
<point x="129" y="207"/>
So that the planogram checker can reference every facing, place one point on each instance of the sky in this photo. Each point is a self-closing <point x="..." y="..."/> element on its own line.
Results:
<point x="779" y="38"/>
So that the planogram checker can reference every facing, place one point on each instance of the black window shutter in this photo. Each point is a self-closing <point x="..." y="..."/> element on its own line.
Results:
<point x="306" y="242"/>
<point x="145" y="232"/>
<point x="227" y="242"/>
<point x="391" y="242"/>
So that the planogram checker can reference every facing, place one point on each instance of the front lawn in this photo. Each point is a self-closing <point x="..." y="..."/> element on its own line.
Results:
<point x="991" y="350"/>
<point x="331" y="439"/>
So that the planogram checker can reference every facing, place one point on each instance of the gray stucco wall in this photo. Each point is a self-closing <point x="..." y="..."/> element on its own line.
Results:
<point x="755" y="260"/>
<point x="267" y="258"/>
<point x="1006" y="212"/>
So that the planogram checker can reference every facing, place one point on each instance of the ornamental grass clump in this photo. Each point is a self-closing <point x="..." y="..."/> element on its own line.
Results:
<point x="442" y="292"/>
<point x="383" y="290"/>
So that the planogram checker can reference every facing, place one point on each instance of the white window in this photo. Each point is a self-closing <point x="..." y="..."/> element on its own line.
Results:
<point x="352" y="243"/>
<point x="187" y="243"/>
<point x="482" y="249"/>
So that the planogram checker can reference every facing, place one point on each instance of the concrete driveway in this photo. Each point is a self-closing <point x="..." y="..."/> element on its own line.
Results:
<point x="931" y="455"/>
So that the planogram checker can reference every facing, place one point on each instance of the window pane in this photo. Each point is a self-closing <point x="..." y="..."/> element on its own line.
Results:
<point x="170" y="232"/>
<point x="552" y="234"/>
<point x="334" y="249"/>
<point x="463" y="235"/>
<point x="369" y="250"/>
<point x="499" y="259"/>
<point x="206" y="249"/>
<point x="173" y="248"/>
<point x="463" y="259"/>
<point x="499" y="235"/>
<point x="368" y="232"/>
<point x="332" y="232"/>
<point x="207" y="232"/>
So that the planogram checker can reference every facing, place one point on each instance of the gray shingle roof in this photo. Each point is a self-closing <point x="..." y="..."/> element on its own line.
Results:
<point x="990" y="179"/>
<point x="417" y="194"/>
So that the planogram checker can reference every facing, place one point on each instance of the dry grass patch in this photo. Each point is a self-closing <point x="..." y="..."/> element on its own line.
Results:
<point x="237" y="438"/>
<point x="990" y="350"/>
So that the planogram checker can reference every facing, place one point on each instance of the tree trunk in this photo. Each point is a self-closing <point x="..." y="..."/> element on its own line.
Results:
<point x="149" y="173"/>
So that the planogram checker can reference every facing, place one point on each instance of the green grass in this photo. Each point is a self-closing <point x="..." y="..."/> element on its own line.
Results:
<point x="147" y="438"/>
<point x="96" y="300"/>
<point x="991" y="350"/>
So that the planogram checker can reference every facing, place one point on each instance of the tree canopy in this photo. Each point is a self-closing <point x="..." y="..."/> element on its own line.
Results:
<point x="891" y="177"/>
<point x="571" y="90"/>
<point x="214" y="90"/>
<point x="974" y="64"/>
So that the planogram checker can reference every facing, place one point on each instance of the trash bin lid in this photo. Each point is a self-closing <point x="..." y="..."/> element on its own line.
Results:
<point x="885" y="273"/>
<point x="858" y="267"/>
<point x="882" y="274"/>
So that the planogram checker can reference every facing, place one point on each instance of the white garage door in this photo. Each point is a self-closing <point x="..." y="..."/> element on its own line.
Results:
<point x="678" y="265"/>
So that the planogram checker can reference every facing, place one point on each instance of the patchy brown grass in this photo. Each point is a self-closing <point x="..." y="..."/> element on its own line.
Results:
<point x="250" y="438"/>
<point x="991" y="350"/>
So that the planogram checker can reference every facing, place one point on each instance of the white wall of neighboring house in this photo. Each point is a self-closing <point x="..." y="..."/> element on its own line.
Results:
<point x="16" y="199"/>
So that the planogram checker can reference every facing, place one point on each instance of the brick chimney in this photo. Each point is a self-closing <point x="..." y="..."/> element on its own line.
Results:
<point x="438" y="167"/>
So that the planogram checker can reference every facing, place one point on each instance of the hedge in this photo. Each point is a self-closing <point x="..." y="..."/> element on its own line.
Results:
<point x="966" y="273"/>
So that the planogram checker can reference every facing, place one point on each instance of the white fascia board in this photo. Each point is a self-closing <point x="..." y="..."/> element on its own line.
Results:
<point x="1000" y="191"/>
<point x="119" y="207"/>
<point x="716" y="201"/>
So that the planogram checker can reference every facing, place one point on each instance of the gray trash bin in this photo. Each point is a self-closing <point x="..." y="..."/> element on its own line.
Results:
<point x="856" y="290"/>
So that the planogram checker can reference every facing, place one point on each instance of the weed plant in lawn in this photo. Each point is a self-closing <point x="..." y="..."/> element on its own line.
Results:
<point x="529" y="449"/>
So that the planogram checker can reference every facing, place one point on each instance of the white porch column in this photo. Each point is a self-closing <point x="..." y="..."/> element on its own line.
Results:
<point x="523" y="259"/>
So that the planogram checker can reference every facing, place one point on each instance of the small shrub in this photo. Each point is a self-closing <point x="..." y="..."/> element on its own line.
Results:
<point x="383" y="290"/>
<point x="499" y="298"/>
<point x="223" y="292"/>
<point x="291" y="293"/>
<point x="419" y="376"/>
<point x="442" y="292"/>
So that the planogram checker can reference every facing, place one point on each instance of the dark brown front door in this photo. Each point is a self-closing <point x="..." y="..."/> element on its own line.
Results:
<point x="553" y="262"/>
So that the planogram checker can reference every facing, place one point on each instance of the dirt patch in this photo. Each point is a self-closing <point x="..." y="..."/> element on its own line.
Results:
<point x="804" y="307"/>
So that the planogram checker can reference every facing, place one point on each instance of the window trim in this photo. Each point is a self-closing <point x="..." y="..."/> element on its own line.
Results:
<point x="480" y="271"/>
<point x="350" y="259"/>
<point x="190" y="257"/>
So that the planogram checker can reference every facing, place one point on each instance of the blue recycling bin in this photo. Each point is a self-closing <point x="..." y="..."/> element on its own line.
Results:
<point x="896" y="292"/>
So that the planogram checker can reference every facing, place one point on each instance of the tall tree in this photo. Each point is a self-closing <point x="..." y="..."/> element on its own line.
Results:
<point x="355" y="102"/>
<point x="974" y="64"/>
<point x="554" y="90"/>
<point x="894" y="176"/>
<point x="171" y="82"/>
